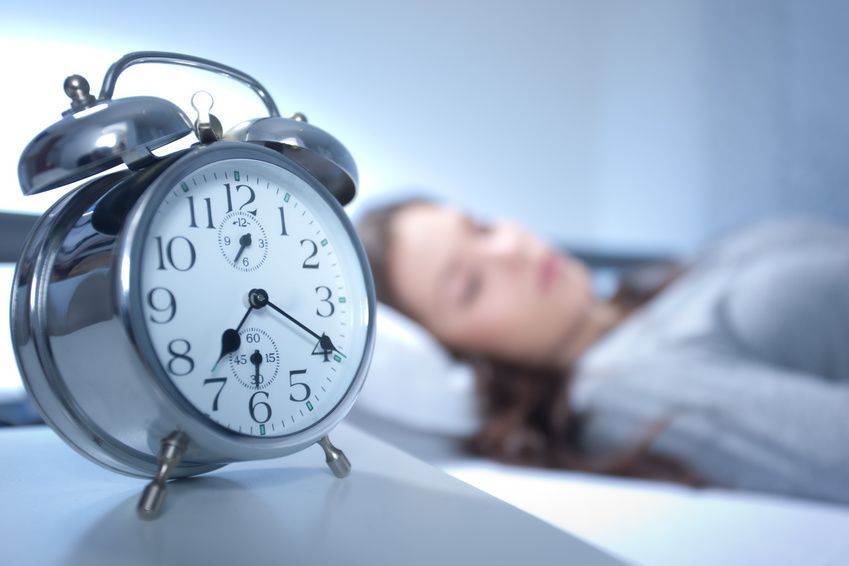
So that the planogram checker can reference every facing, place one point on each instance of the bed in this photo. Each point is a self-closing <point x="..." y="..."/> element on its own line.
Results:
<point x="420" y="399"/>
<point x="644" y="522"/>
<point x="641" y="521"/>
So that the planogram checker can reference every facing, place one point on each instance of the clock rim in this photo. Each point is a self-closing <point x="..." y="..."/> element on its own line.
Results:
<point x="44" y="381"/>
<point x="201" y="429"/>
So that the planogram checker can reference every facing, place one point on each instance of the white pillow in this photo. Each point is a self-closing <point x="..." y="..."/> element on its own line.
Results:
<point x="413" y="380"/>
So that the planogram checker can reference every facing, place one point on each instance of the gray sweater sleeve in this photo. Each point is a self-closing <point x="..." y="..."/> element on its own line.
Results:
<point x="738" y="423"/>
<point x="746" y="356"/>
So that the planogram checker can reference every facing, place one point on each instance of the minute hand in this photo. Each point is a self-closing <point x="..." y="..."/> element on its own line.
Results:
<point x="323" y="340"/>
<point x="287" y="315"/>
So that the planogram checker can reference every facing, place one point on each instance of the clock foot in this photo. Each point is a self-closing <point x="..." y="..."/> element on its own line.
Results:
<point x="173" y="447"/>
<point x="336" y="459"/>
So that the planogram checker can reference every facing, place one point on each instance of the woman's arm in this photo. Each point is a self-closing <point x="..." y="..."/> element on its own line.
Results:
<point x="734" y="422"/>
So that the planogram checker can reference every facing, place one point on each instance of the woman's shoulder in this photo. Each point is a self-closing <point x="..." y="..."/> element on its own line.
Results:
<point x="774" y="235"/>
<point x="740" y="268"/>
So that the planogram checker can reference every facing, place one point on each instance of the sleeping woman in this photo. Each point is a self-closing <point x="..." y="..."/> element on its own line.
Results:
<point x="730" y="369"/>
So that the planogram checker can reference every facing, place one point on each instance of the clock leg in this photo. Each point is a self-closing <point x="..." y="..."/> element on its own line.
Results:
<point x="173" y="447"/>
<point x="336" y="459"/>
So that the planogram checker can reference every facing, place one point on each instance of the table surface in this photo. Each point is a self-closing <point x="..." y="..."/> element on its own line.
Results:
<point x="59" y="508"/>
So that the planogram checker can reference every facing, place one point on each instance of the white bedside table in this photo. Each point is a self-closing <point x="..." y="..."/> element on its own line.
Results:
<point x="58" y="508"/>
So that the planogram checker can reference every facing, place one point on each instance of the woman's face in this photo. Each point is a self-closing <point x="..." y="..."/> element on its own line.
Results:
<point x="494" y="290"/>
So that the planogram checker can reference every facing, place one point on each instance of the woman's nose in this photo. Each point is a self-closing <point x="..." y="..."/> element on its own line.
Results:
<point x="506" y="243"/>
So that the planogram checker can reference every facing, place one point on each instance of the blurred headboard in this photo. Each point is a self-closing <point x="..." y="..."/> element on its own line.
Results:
<point x="14" y="228"/>
<point x="596" y="259"/>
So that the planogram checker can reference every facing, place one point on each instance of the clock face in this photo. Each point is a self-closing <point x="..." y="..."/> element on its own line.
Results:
<point x="254" y="297"/>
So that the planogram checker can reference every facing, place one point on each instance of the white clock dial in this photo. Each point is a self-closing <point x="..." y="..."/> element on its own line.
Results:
<point x="224" y="230"/>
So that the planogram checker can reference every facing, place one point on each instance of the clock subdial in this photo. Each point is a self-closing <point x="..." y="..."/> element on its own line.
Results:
<point x="242" y="241"/>
<point x="256" y="363"/>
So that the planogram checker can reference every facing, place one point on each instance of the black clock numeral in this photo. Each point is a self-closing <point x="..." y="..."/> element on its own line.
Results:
<point x="180" y="360"/>
<point x="322" y="350"/>
<point x="170" y="307"/>
<point x="193" y="222"/>
<point x="251" y="197"/>
<point x="306" y="264"/>
<point x="326" y="300"/>
<point x="283" y="231"/>
<point x="306" y="387"/>
<point x="223" y="382"/>
<point x="252" y="405"/>
<point x="180" y="256"/>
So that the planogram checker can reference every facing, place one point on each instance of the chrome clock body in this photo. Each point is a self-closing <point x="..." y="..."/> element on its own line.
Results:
<point x="160" y="365"/>
<point x="79" y="326"/>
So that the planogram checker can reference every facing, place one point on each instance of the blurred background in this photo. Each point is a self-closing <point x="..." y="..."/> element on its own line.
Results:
<point x="632" y="126"/>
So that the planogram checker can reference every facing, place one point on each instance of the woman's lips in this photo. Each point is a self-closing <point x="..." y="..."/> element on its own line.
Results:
<point x="549" y="270"/>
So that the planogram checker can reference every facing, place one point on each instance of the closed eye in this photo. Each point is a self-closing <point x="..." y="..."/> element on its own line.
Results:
<point x="472" y="288"/>
<point x="476" y="226"/>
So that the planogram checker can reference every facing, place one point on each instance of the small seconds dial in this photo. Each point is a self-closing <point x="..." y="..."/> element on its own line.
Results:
<point x="254" y="297"/>
<point x="256" y="363"/>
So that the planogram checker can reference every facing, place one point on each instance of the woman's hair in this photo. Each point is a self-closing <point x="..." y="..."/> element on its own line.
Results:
<point x="527" y="418"/>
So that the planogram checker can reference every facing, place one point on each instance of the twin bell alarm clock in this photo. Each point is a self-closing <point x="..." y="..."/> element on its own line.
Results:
<point x="193" y="309"/>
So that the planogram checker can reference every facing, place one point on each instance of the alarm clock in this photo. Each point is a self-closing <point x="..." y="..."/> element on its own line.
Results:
<point x="193" y="309"/>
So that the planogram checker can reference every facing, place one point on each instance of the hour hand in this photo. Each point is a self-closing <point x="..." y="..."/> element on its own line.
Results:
<point x="230" y="342"/>
<point x="244" y="242"/>
<point x="230" y="339"/>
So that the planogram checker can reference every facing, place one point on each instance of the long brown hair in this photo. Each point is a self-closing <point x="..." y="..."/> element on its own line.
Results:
<point x="527" y="419"/>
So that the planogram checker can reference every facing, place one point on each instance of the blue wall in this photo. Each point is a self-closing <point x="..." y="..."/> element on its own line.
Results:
<point x="639" y="125"/>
